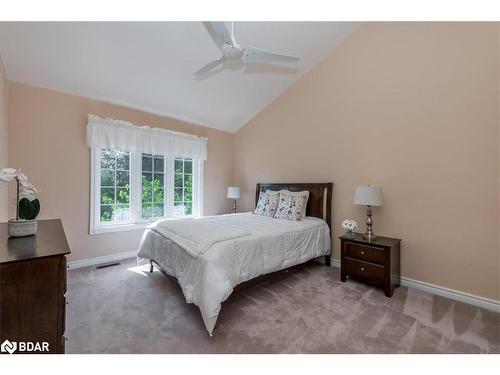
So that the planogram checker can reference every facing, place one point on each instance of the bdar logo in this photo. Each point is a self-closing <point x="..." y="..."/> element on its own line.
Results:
<point x="8" y="346"/>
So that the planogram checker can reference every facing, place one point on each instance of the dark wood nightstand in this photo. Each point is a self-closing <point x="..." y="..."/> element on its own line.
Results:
<point x="374" y="262"/>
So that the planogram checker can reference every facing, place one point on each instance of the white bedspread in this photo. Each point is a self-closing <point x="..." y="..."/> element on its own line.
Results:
<point x="197" y="235"/>
<point x="208" y="279"/>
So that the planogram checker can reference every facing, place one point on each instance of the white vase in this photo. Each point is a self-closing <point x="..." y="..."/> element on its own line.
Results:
<point x="22" y="228"/>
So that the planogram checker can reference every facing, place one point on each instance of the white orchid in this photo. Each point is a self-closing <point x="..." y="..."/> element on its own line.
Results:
<point x="25" y="189"/>
<point x="28" y="191"/>
<point x="7" y="174"/>
<point x="349" y="225"/>
<point x="22" y="178"/>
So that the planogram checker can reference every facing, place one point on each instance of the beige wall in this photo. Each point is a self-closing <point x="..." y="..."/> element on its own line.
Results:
<point x="3" y="140"/>
<point x="412" y="107"/>
<point x="47" y="141"/>
<point x="498" y="163"/>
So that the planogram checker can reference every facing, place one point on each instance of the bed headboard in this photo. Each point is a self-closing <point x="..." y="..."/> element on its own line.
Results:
<point x="320" y="197"/>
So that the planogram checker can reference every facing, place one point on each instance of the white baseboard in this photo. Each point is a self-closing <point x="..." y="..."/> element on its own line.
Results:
<point x="335" y="263"/>
<point x="456" y="295"/>
<point x="101" y="260"/>
<point x="471" y="299"/>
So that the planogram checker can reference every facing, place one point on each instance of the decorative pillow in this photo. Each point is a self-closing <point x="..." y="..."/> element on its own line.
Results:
<point x="268" y="203"/>
<point x="304" y="194"/>
<point x="289" y="207"/>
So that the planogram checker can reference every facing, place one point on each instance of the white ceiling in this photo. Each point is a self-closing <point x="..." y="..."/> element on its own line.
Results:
<point x="150" y="65"/>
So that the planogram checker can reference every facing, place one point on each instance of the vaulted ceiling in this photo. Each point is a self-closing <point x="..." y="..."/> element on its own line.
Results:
<point x="150" y="65"/>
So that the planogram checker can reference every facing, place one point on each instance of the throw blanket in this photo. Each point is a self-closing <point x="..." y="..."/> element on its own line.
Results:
<point x="196" y="235"/>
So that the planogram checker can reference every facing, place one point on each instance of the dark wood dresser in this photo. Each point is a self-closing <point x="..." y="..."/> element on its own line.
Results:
<point x="33" y="287"/>
<point x="376" y="262"/>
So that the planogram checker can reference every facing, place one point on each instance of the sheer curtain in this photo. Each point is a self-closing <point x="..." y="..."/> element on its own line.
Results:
<point x="124" y="136"/>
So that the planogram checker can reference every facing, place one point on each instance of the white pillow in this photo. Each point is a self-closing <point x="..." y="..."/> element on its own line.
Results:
<point x="304" y="194"/>
<point x="290" y="206"/>
<point x="267" y="203"/>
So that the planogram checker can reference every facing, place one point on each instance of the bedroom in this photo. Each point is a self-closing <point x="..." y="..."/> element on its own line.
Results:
<point x="340" y="194"/>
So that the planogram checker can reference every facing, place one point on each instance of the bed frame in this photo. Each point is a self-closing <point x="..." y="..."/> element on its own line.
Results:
<point x="318" y="205"/>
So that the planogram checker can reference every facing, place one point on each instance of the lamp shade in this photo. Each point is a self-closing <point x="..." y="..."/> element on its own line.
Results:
<point x="233" y="192"/>
<point x="368" y="196"/>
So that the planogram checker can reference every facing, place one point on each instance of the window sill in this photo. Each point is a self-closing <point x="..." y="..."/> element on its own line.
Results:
<point x="127" y="226"/>
<point x="118" y="228"/>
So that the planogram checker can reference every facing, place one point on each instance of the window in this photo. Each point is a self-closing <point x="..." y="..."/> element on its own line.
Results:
<point x="115" y="186"/>
<point x="153" y="186"/>
<point x="132" y="189"/>
<point x="183" y="188"/>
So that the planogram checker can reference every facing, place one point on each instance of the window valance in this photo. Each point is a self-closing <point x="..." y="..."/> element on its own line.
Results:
<point x="124" y="136"/>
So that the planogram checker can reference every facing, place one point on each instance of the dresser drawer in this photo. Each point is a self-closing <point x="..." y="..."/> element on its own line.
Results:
<point x="364" y="271"/>
<point x="365" y="253"/>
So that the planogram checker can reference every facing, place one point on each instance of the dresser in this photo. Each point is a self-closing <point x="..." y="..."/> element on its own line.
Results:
<point x="33" y="288"/>
<point x="374" y="262"/>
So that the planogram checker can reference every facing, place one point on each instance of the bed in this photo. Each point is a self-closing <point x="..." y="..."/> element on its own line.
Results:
<point x="210" y="256"/>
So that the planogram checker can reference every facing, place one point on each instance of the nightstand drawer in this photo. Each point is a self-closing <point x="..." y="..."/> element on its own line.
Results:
<point x="365" y="253"/>
<point x="364" y="271"/>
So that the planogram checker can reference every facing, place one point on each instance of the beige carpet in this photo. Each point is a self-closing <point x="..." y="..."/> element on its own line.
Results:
<point x="124" y="309"/>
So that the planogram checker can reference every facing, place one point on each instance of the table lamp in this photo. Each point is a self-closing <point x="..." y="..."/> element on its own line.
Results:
<point x="234" y="192"/>
<point x="368" y="196"/>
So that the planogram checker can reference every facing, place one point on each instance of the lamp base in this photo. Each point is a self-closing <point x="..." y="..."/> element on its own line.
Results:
<point x="370" y="237"/>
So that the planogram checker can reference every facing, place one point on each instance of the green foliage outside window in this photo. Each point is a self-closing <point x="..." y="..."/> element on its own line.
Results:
<point x="153" y="197"/>
<point x="183" y="187"/>
<point x="115" y="186"/>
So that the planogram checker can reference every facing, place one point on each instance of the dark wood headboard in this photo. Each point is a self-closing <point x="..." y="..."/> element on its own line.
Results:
<point x="320" y="197"/>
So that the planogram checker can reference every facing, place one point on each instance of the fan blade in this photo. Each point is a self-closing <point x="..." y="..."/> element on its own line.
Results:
<point x="255" y="54"/>
<point x="210" y="73"/>
<point x="266" y="68"/>
<point x="210" y="66"/>
<point x="218" y="33"/>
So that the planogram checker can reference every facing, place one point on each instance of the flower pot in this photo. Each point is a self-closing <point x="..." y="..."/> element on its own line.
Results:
<point x="349" y="234"/>
<point x="22" y="228"/>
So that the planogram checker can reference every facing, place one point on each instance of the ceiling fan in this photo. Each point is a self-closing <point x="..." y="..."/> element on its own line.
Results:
<point x="235" y="57"/>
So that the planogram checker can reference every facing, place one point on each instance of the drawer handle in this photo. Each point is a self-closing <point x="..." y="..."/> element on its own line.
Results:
<point x="362" y="253"/>
<point x="362" y="268"/>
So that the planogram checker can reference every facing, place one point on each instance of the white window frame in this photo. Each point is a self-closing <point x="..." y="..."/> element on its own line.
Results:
<point x="136" y="221"/>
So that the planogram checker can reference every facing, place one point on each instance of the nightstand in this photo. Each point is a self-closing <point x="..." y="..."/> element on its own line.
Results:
<point x="374" y="262"/>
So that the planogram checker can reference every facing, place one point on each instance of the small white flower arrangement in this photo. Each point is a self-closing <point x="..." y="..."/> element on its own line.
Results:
<point x="349" y="226"/>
